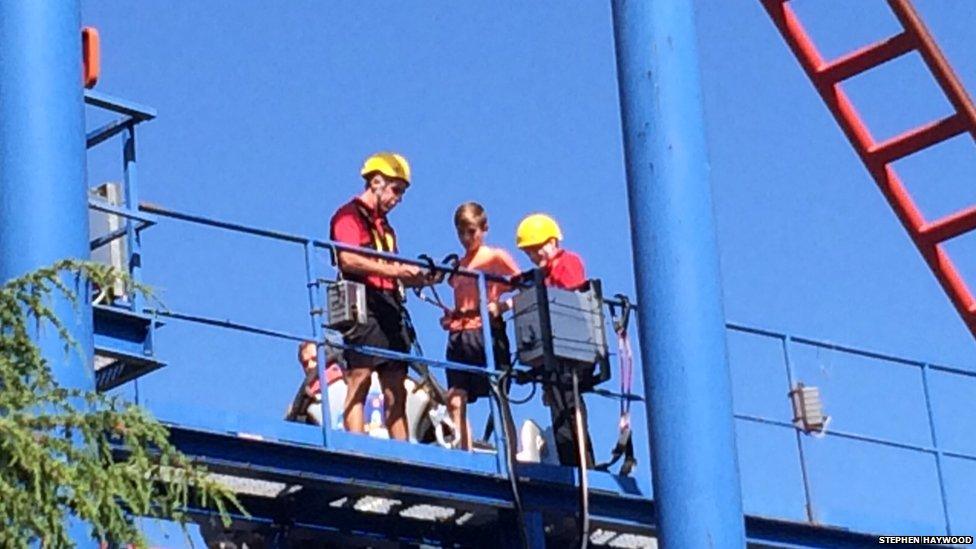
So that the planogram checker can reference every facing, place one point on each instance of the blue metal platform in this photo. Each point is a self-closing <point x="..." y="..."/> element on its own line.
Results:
<point x="123" y="339"/>
<point x="302" y="483"/>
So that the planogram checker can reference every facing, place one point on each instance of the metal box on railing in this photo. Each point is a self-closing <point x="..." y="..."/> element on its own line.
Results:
<point x="346" y="303"/>
<point x="571" y="321"/>
<point x="111" y="252"/>
<point x="808" y="411"/>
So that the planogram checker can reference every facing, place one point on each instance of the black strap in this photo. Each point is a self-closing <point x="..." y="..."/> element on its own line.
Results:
<point x="298" y="410"/>
<point x="455" y="262"/>
<point x="625" y="449"/>
<point x="421" y="369"/>
<point x="490" y="426"/>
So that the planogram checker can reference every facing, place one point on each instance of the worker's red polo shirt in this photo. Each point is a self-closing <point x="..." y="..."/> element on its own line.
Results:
<point x="565" y="270"/>
<point x="356" y="224"/>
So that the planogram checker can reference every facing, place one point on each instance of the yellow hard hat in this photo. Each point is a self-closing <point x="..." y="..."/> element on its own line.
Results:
<point x="536" y="230"/>
<point x="390" y="164"/>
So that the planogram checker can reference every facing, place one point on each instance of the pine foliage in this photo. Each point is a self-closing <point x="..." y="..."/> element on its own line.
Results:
<point x="70" y="453"/>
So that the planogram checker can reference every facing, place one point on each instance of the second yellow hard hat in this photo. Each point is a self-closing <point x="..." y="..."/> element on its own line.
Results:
<point x="535" y="230"/>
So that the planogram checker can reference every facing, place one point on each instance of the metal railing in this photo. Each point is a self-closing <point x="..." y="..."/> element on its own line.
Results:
<point x="788" y="343"/>
<point x="139" y="216"/>
<point x="327" y="338"/>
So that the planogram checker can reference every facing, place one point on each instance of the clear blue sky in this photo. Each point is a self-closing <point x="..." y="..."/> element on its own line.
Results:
<point x="266" y="111"/>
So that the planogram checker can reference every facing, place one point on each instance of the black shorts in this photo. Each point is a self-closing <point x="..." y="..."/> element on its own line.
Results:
<point x="468" y="347"/>
<point x="385" y="328"/>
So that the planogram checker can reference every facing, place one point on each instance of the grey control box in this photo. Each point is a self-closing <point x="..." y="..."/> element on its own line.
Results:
<point x="574" y="320"/>
<point x="346" y="304"/>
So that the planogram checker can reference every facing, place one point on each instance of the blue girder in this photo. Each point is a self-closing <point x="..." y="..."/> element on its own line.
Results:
<point x="319" y="477"/>
<point x="126" y="337"/>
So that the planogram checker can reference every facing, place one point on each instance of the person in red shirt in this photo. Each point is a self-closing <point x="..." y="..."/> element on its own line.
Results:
<point x="539" y="236"/>
<point x="466" y="342"/>
<point x="363" y="222"/>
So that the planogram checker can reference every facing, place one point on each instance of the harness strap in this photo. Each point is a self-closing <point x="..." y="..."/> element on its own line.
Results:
<point x="624" y="448"/>
<point x="383" y="235"/>
<point x="431" y="276"/>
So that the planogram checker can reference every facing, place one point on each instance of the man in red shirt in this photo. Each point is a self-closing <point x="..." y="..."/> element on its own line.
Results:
<point x="362" y="222"/>
<point x="538" y="235"/>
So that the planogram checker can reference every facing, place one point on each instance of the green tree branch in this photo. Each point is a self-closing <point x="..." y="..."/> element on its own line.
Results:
<point x="67" y="452"/>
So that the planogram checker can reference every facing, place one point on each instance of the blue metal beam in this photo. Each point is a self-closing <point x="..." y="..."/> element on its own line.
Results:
<point x="859" y="437"/>
<point x="376" y="351"/>
<point x="548" y="492"/>
<point x="97" y="243"/>
<point x="125" y="336"/>
<point x="361" y="468"/>
<point x="145" y="220"/>
<point x="43" y="214"/>
<point x="107" y="131"/>
<point x="121" y="106"/>
<point x="298" y="239"/>
<point x="686" y="374"/>
<point x="767" y="532"/>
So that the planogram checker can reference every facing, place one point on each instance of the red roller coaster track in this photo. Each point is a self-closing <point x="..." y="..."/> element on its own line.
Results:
<point x="827" y="77"/>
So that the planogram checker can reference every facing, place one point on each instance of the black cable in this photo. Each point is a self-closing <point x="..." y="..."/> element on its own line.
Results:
<point x="508" y="424"/>
<point x="506" y="388"/>
<point x="421" y="369"/>
<point x="584" y="523"/>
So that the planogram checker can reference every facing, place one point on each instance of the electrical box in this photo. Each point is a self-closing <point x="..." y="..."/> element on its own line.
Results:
<point x="571" y="320"/>
<point x="114" y="251"/>
<point x="346" y="303"/>
<point x="808" y="411"/>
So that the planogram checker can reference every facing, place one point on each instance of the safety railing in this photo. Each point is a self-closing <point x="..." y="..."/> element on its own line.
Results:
<point x="138" y="216"/>
<point x="131" y="115"/>
<point x="325" y="338"/>
<point x="788" y="345"/>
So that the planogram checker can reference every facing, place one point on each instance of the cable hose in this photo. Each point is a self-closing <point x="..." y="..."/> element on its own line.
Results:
<point x="438" y="392"/>
<point x="502" y="384"/>
<point x="508" y="423"/>
<point x="584" y="488"/>
<point x="508" y="396"/>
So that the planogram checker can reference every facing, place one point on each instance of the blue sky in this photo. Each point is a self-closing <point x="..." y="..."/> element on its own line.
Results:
<point x="267" y="110"/>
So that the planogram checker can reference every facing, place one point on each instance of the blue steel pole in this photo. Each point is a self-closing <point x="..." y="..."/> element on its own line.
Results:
<point x="682" y="332"/>
<point x="133" y="239"/>
<point x="937" y="448"/>
<point x="791" y="381"/>
<point x="43" y="194"/>
<point x="316" y="304"/>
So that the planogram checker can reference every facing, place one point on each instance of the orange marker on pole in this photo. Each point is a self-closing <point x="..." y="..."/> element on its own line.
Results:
<point x="91" y="56"/>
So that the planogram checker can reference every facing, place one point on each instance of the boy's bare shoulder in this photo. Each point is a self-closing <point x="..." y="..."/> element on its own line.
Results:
<point x="504" y="259"/>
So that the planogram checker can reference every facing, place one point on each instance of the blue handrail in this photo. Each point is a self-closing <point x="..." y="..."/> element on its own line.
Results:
<point x="139" y="216"/>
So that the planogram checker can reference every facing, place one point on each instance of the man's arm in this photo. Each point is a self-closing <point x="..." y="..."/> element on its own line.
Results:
<point x="351" y="262"/>
<point x="345" y="229"/>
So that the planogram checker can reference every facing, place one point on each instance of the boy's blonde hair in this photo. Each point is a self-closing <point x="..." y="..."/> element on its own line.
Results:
<point x="470" y="214"/>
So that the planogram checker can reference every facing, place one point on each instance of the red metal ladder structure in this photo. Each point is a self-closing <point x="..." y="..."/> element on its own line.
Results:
<point x="827" y="77"/>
